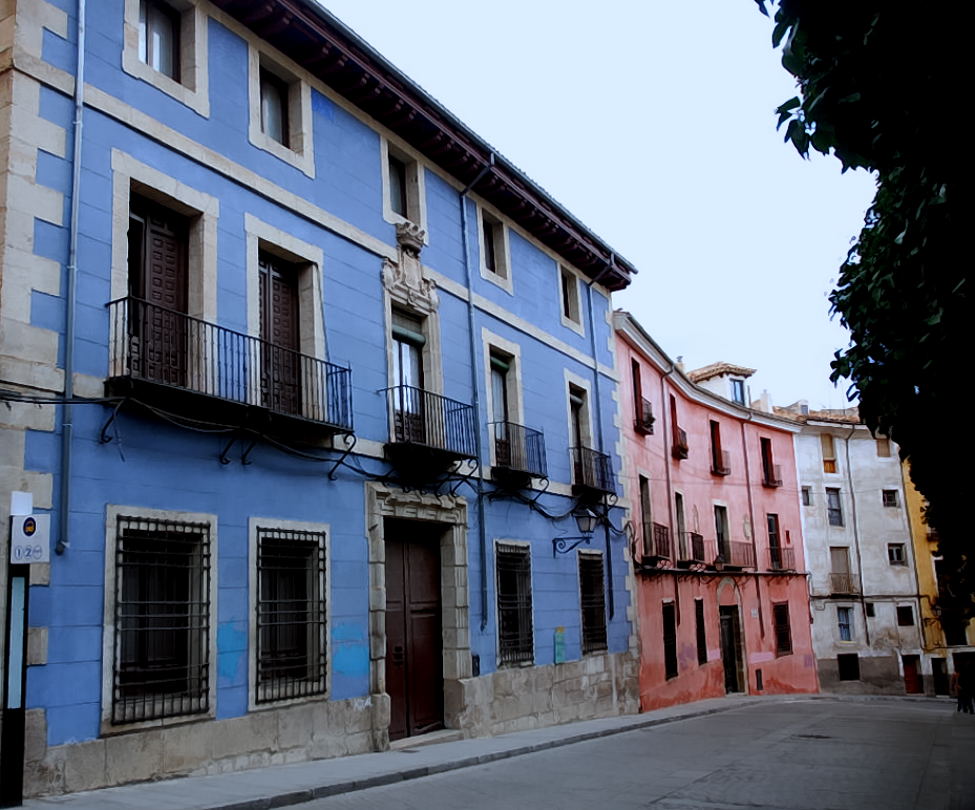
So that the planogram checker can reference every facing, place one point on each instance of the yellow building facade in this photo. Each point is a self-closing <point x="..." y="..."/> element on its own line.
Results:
<point x="942" y="650"/>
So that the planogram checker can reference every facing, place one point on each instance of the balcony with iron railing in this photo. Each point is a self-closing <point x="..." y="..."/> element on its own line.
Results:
<point x="736" y="554"/>
<point x="772" y="475"/>
<point x="592" y="472"/>
<point x="644" y="419"/>
<point x="781" y="559"/>
<point x="191" y="367"/>
<point x="844" y="584"/>
<point x="690" y="547"/>
<point x="519" y="452"/>
<point x="678" y="446"/>
<point x="720" y="462"/>
<point x="656" y="541"/>
<point x="430" y="421"/>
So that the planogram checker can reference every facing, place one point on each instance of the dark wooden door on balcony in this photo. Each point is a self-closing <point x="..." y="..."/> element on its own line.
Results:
<point x="158" y="276"/>
<point x="731" y="656"/>
<point x="280" y="360"/>
<point x="414" y="630"/>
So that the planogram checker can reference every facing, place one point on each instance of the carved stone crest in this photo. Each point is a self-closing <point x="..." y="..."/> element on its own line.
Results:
<point x="404" y="278"/>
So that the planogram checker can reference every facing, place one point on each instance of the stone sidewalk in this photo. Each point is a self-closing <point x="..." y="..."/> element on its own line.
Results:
<point x="282" y="785"/>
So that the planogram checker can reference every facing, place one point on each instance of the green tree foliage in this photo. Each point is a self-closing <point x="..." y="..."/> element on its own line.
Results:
<point x="879" y="88"/>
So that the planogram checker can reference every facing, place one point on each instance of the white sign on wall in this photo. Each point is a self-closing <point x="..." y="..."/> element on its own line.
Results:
<point x="30" y="539"/>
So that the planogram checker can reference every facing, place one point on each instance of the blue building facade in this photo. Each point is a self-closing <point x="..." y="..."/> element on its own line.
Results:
<point x="318" y="391"/>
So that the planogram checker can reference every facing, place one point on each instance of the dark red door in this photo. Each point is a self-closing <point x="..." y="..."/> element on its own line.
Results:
<point x="281" y="371"/>
<point x="913" y="683"/>
<point x="158" y="278"/>
<point x="414" y="631"/>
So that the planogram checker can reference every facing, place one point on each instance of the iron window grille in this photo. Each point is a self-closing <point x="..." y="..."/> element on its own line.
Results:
<point x="515" y="632"/>
<point x="291" y="616"/>
<point x="783" y="629"/>
<point x="161" y="662"/>
<point x="593" y="600"/>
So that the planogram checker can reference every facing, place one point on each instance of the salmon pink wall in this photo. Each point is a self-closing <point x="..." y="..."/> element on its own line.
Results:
<point x="759" y="580"/>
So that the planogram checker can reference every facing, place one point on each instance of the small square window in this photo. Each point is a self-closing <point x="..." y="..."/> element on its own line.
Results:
<point x="896" y="554"/>
<point x="905" y="616"/>
<point x="806" y="496"/>
<point x="570" y="296"/>
<point x="848" y="665"/>
<point x="890" y="497"/>
<point x="871" y="611"/>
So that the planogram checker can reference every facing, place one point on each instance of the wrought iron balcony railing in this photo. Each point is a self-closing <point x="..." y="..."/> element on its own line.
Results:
<point x="690" y="547"/>
<point x="772" y="475"/>
<point x="592" y="470"/>
<point x="644" y="419"/>
<point x="154" y="345"/>
<point x="737" y="554"/>
<point x="423" y="418"/>
<point x="720" y="462"/>
<point x="656" y="541"/>
<point x="519" y="449"/>
<point x="781" y="559"/>
<point x="678" y="448"/>
<point x="843" y="584"/>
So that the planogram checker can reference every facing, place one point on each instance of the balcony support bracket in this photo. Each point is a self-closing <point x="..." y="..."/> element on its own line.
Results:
<point x="349" y="439"/>
<point x="225" y="453"/>
<point x="104" y="437"/>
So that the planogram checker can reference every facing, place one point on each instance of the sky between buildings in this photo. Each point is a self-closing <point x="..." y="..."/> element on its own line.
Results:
<point x="653" y="122"/>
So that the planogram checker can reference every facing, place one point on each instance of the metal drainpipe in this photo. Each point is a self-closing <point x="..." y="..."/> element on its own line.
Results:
<point x="476" y="400"/>
<point x="599" y="420"/>
<point x="856" y="532"/>
<point x="67" y="410"/>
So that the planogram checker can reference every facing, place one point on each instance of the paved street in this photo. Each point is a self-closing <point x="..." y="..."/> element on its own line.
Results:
<point x="797" y="755"/>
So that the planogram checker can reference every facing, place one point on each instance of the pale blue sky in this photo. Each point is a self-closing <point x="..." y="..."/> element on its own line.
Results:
<point x="654" y="124"/>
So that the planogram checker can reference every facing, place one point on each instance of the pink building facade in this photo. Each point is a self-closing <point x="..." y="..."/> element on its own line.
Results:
<point x="721" y="595"/>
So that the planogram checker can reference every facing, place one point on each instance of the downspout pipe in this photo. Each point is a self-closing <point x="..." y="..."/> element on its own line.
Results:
<point x="856" y="531"/>
<point x="475" y="388"/>
<point x="599" y="418"/>
<point x="67" y="409"/>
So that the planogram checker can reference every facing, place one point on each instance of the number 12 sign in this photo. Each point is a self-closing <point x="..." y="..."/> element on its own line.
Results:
<point x="30" y="539"/>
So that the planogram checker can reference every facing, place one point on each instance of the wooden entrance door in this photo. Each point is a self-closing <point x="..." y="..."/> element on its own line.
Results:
<point x="280" y="360"/>
<point x="158" y="283"/>
<point x="414" y="630"/>
<point x="731" y="648"/>
<point x="913" y="681"/>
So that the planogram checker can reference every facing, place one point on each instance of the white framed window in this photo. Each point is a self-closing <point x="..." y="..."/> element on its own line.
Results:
<point x="289" y="599"/>
<point x="165" y="45"/>
<point x="569" y="301"/>
<point x="404" y="195"/>
<point x="896" y="554"/>
<point x="159" y="645"/>
<point x="738" y="391"/>
<point x="890" y="497"/>
<point x="494" y="252"/>
<point x="516" y="641"/>
<point x="280" y="120"/>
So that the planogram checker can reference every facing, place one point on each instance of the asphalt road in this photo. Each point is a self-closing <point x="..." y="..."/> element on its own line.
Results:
<point x="796" y="755"/>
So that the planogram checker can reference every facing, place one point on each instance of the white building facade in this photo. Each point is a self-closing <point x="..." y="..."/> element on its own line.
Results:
<point x="863" y="583"/>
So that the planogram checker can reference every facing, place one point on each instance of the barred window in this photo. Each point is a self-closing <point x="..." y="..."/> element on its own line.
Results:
<point x="291" y="648"/>
<point x="162" y="619"/>
<point x="783" y="628"/>
<point x="593" y="598"/>
<point x="515" y="635"/>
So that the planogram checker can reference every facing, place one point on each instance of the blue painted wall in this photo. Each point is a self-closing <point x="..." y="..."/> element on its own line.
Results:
<point x="153" y="464"/>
